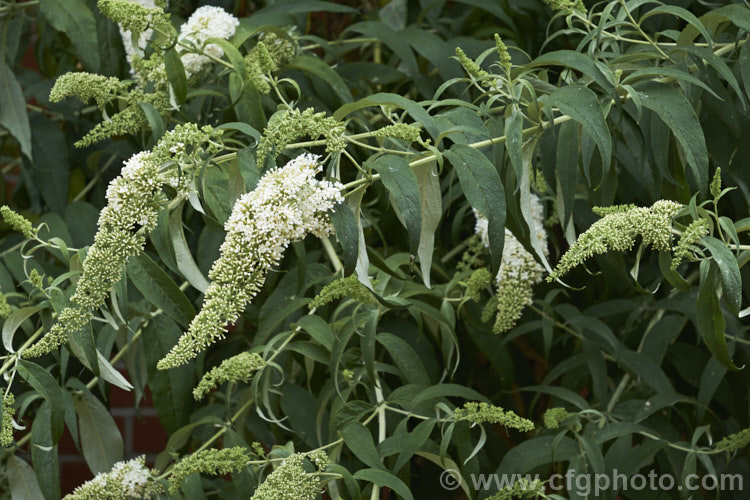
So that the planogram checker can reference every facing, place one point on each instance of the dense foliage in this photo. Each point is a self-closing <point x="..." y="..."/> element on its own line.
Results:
<point x="351" y="246"/>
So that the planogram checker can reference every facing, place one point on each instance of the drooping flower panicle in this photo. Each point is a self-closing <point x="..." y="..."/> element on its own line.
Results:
<point x="288" y="125"/>
<point x="618" y="230"/>
<point x="349" y="287"/>
<point x="206" y="22"/>
<point x="734" y="442"/>
<point x="17" y="222"/>
<point x="136" y="19"/>
<point x="134" y="200"/>
<point x="481" y="413"/>
<point x="519" y="271"/>
<point x="287" y="204"/>
<point x="690" y="236"/>
<point x="6" y="424"/>
<point x="290" y="481"/>
<point x="553" y="417"/>
<point x="238" y="368"/>
<point x="127" y="479"/>
<point x="212" y="461"/>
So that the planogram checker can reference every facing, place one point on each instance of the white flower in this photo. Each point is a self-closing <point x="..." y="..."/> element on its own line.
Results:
<point x="126" y="479"/>
<point x="519" y="271"/>
<point x="135" y="50"/>
<point x="206" y="22"/>
<point x="287" y="204"/>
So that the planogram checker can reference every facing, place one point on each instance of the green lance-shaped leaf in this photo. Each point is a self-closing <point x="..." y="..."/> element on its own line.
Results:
<point x="567" y="168"/>
<point x="320" y="69"/>
<point x="384" y="478"/>
<point x="22" y="480"/>
<point x="75" y="19"/>
<point x="581" y="104"/>
<point x="347" y="234"/>
<point x="47" y="386"/>
<point x="399" y="179"/>
<point x="677" y="112"/>
<point x="709" y="317"/>
<point x="731" y="279"/>
<point x="13" y="108"/>
<point x="14" y="321"/>
<point x="185" y="262"/>
<point x="484" y="190"/>
<point x="159" y="289"/>
<point x="176" y="74"/>
<point x="101" y="441"/>
<point x="358" y="439"/>
<point x="432" y="211"/>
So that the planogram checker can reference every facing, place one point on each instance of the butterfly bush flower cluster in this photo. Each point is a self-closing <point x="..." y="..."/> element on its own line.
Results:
<point x="134" y="200"/>
<point x="288" y="125"/>
<point x="206" y="22"/>
<point x="6" y="424"/>
<point x="349" y="287"/>
<point x="287" y="204"/>
<point x="522" y="488"/>
<point x="481" y="413"/>
<point x="127" y="479"/>
<point x="734" y="442"/>
<point x="269" y="54"/>
<point x="134" y="20"/>
<point x="17" y="222"/>
<point x="212" y="461"/>
<point x="290" y="480"/>
<point x="104" y="90"/>
<point x="519" y="271"/>
<point x="618" y="230"/>
<point x="238" y="368"/>
<point x="690" y="236"/>
<point x="553" y="417"/>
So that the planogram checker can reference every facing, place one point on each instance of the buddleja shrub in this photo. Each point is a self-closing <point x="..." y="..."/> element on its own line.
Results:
<point x="350" y="248"/>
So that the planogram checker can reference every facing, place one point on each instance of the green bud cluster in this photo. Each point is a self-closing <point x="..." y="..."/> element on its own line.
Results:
<point x="617" y="231"/>
<point x="403" y="131"/>
<point x="471" y="67"/>
<point x="522" y="488"/>
<point x="502" y="51"/>
<point x="349" y="287"/>
<point x="287" y="126"/>
<point x="127" y="479"/>
<point x="290" y="480"/>
<point x="5" y="309"/>
<point x="614" y="209"/>
<point x="271" y="53"/>
<point x="212" y="462"/>
<point x="486" y="413"/>
<point x="567" y="6"/>
<point x="87" y="86"/>
<point x="129" y="121"/>
<point x="553" y="417"/>
<point x="17" y="222"/>
<point x="690" y="236"/>
<point x="103" y="90"/>
<point x="132" y="16"/>
<point x="716" y="184"/>
<point x="734" y="442"/>
<point x="472" y="256"/>
<point x="479" y="280"/>
<point x="238" y="368"/>
<point x="6" y="425"/>
<point x="36" y="279"/>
